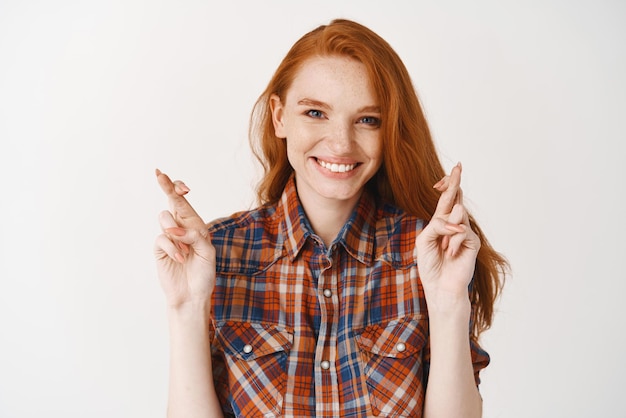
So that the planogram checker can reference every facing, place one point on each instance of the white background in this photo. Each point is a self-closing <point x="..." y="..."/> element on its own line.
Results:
<point x="529" y="95"/>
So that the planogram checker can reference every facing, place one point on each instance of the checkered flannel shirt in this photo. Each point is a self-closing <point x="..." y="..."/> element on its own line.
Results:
<point x="301" y="330"/>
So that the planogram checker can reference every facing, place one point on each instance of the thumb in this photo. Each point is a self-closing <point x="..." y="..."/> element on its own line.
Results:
<point x="198" y="243"/>
<point x="439" y="227"/>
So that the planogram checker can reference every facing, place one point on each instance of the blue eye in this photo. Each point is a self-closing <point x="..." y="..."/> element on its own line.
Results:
<point x="370" y="120"/>
<point x="315" y="113"/>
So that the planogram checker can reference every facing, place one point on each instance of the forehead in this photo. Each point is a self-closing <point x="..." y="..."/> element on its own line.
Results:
<point x="332" y="78"/>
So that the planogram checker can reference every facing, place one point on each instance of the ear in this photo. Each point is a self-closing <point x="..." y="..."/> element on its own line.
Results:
<point x="276" y="106"/>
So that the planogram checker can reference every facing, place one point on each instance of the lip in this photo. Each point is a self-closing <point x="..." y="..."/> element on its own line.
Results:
<point x="340" y="161"/>
<point x="336" y="160"/>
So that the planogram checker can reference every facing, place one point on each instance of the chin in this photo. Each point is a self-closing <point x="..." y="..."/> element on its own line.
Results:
<point x="340" y="194"/>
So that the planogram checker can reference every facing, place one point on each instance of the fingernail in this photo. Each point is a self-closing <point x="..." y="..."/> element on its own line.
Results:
<point x="183" y="247"/>
<point x="184" y="187"/>
<point x="158" y="172"/>
<point x="454" y="227"/>
<point x="445" y="240"/>
<point x="179" y="258"/>
<point x="179" y="232"/>
<point x="439" y="183"/>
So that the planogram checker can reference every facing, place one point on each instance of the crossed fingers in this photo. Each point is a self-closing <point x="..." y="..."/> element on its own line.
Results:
<point x="181" y="212"/>
<point x="451" y="193"/>
<point x="450" y="210"/>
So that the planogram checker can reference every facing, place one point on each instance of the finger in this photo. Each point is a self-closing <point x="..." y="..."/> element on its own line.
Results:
<point x="442" y="184"/>
<point x="180" y="208"/>
<point x="166" y="220"/>
<point x="174" y="192"/>
<point x="466" y="237"/>
<point x="455" y="222"/>
<point x="180" y="188"/>
<point x="173" y="232"/>
<point x="184" y="248"/>
<point x="449" y="196"/>
<point x="187" y="240"/>
<point x="164" y="247"/>
<point x="457" y="214"/>
<point x="465" y="240"/>
<point x="445" y="242"/>
<point x="170" y="227"/>
<point x="198" y="244"/>
<point x="456" y="241"/>
<point x="440" y="228"/>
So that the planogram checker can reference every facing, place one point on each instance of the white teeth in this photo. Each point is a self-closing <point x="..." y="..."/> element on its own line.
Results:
<point x="336" y="168"/>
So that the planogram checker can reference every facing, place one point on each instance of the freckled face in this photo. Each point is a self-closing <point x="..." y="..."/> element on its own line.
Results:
<point x="330" y="119"/>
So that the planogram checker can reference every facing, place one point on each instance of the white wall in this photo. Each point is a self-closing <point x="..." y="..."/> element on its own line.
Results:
<point x="94" y="96"/>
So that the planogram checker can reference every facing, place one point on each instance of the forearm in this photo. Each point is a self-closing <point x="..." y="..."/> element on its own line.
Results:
<point x="191" y="389"/>
<point x="451" y="389"/>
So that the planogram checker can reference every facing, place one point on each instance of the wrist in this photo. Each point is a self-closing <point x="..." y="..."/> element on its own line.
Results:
<point x="199" y="309"/>
<point x="448" y="303"/>
<point x="189" y="323"/>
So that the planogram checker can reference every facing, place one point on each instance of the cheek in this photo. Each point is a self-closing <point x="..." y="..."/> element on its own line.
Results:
<point x="377" y="156"/>
<point x="376" y="148"/>
<point x="294" y="151"/>
<point x="301" y="139"/>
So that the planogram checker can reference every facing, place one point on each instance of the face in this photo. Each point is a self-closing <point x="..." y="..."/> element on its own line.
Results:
<point x="330" y="119"/>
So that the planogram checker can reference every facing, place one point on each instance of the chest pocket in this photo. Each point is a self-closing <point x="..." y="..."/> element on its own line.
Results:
<point x="392" y="355"/>
<point x="256" y="359"/>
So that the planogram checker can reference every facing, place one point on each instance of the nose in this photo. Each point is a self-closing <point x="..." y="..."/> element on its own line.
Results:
<point x="341" y="138"/>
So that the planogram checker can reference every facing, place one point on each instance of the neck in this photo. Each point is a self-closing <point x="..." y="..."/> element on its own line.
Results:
<point x="327" y="217"/>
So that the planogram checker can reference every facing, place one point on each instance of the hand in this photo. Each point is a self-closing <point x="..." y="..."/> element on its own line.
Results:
<point x="184" y="254"/>
<point x="446" y="249"/>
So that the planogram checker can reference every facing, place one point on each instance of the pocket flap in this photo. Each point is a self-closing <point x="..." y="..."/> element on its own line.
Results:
<point x="398" y="338"/>
<point x="249" y="341"/>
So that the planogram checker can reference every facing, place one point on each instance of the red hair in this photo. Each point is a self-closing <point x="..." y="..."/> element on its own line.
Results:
<point x="410" y="163"/>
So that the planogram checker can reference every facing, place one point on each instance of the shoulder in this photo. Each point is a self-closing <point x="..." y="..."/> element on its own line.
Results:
<point x="261" y="216"/>
<point x="396" y="232"/>
<point x="246" y="241"/>
<point x="396" y="221"/>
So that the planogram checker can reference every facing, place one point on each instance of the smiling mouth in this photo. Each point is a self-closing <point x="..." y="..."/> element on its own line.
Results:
<point x="336" y="168"/>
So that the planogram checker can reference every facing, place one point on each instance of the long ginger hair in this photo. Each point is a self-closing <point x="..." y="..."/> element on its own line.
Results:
<point x="410" y="162"/>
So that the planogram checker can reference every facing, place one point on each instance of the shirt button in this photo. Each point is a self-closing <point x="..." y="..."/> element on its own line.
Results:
<point x="325" y="364"/>
<point x="400" y="347"/>
<point x="247" y="348"/>
<point x="328" y="293"/>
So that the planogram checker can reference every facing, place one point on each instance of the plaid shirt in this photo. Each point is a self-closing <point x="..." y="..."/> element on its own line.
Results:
<point x="299" y="329"/>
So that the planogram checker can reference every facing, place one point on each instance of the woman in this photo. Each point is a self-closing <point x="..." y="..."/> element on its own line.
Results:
<point x="351" y="289"/>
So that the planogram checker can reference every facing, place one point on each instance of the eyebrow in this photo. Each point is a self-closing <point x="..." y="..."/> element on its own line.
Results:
<point x="322" y="105"/>
<point x="313" y="103"/>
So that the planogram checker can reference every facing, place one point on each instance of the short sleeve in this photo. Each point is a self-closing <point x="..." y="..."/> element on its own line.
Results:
<point x="480" y="359"/>
<point x="220" y="373"/>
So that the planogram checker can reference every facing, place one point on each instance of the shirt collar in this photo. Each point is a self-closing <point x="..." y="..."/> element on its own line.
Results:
<point x="359" y="233"/>
<point x="357" y="236"/>
<point x="296" y="228"/>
